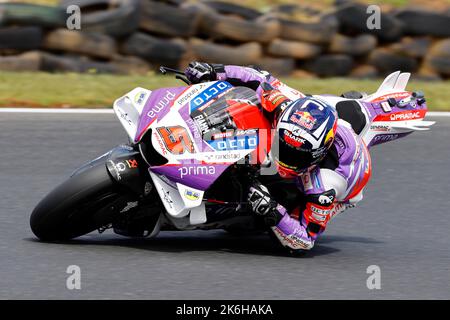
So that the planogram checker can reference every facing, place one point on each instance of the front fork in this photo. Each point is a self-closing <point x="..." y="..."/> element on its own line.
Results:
<point x="127" y="167"/>
<point x="139" y="218"/>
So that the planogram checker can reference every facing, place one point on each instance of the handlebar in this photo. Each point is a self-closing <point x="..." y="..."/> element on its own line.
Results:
<point x="179" y="74"/>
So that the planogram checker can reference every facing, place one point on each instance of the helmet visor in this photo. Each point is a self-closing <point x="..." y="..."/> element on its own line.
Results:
<point x="294" y="159"/>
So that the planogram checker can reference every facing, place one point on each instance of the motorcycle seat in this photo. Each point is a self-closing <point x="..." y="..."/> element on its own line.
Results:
<point x="350" y="111"/>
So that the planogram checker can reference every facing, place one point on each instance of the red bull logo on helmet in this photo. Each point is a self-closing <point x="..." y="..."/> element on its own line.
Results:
<point x="303" y="119"/>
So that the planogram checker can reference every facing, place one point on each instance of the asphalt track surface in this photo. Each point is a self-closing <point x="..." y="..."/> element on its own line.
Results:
<point x="402" y="226"/>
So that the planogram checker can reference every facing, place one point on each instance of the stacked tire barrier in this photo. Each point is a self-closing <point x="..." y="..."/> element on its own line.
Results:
<point x="136" y="36"/>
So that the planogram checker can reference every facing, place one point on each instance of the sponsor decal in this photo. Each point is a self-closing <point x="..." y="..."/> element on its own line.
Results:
<point x="167" y="198"/>
<point x="289" y="92"/>
<point x="124" y="116"/>
<point x="116" y="169"/>
<point x="132" y="164"/>
<point x="243" y="142"/>
<point x="396" y="96"/>
<point x="384" y="138"/>
<point x="293" y="140"/>
<point x="402" y="116"/>
<point x="276" y="98"/>
<point x="319" y="214"/>
<point x="380" y="128"/>
<point x="186" y="96"/>
<point x="223" y="157"/>
<point x="191" y="195"/>
<point x="303" y="119"/>
<point x="202" y="123"/>
<point x="196" y="170"/>
<point x="222" y="135"/>
<point x="163" y="103"/>
<point x="193" y="128"/>
<point x="139" y="98"/>
<point x="318" y="152"/>
<point x="286" y="165"/>
<point x="291" y="241"/>
<point x="208" y="94"/>
<point x="405" y="116"/>
<point x="162" y="147"/>
<point x="176" y="139"/>
<point x="122" y="166"/>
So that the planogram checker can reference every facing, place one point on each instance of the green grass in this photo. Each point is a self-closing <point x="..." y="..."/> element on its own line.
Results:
<point x="267" y="3"/>
<point x="94" y="91"/>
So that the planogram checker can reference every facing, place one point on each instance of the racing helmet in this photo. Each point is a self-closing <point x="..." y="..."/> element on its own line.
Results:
<point x="306" y="131"/>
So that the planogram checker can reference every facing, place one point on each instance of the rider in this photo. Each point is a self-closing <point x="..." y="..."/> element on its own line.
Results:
<point x="330" y="162"/>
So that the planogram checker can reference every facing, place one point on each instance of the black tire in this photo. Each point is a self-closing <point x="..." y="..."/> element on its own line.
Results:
<point x="30" y="14"/>
<point x="157" y="50"/>
<point x="28" y="61"/>
<point x="387" y="61"/>
<point x="317" y="30"/>
<point x="427" y="73"/>
<point x="244" y="54"/>
<point x="353" y="19"/>
<point x="131" y="65"/>
<point x="234" y="9"/>
<point x="441" y="48"/>
<point x="168" y="20"/>
<point x="331" y="65"/>
<point x="364" y="71"/>
<point x="277" y="66"/>
<point x="263" y="29"/>
<point x="78" y="206"/>
<point x="412" y="47"/>
<point x="115" y="18"/>
<point x="438" y="57"/>
<point x="428" y="23"/>
<point x="92" y="44"/>
<point x="58" y="63"/>
<point x="354" y="46"/>
<point x="293" y="49"/>
<point x="20" y="38"/>
<point x="439" y="63"/>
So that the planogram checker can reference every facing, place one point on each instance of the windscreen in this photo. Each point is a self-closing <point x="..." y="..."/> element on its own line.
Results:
<point x="215" y="115"/>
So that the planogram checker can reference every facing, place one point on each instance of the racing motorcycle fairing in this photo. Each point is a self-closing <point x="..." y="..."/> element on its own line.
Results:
<point x="129" y="109"/>
<point x="201" y="130"/>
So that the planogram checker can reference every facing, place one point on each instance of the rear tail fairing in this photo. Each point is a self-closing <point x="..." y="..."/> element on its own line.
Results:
<point x="386" y="115"/>
<point x="393" y="111"/>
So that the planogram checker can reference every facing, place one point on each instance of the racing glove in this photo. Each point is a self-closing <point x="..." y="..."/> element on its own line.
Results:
<point x="320" y="208"/>
<point x="263" y="205"/>
<point x="198" y="72"/>
<point x="289" y="231"/>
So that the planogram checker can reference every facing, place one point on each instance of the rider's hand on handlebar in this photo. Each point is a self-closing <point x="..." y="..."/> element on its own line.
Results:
<point x="260" y="199"/>
<point x="198" y="72"/>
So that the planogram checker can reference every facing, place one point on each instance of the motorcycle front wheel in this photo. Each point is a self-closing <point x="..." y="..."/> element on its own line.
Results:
<point x="85" y="202"/>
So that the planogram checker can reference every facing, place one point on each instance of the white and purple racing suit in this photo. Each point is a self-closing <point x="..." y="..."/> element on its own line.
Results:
<point x="331" y="187"/>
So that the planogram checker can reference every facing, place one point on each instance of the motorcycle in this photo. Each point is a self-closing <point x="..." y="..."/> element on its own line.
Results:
<point x="194" y="150"/>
